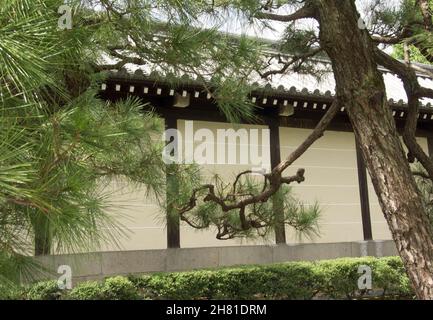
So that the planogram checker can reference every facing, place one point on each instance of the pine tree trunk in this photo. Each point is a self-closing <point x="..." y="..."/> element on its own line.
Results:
<point x="41" y="227"/>
<point x="361" y="90"/>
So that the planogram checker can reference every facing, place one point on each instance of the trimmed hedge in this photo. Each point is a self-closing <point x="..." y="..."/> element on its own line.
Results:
<point x="46" y="290"/>
<point x="327" y="279"/>
<point x="116" y="288"/>
<point x="335" y="279"/>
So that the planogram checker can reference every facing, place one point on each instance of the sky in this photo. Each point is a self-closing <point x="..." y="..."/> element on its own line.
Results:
<point x="235" y="25"/>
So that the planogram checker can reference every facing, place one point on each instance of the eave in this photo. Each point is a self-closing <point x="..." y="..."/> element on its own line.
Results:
<point x="308" y="106"/>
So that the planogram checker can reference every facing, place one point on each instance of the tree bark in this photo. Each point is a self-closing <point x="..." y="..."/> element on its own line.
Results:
<point x="361" y="90"/>
<point x="41" y="227"/>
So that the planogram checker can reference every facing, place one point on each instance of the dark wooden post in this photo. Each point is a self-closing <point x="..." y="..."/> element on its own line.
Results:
<point x="430" y="144"/>
<point x="173" y="221"/>
<point x="274" y="137"/>
<point x="363" y="193"/>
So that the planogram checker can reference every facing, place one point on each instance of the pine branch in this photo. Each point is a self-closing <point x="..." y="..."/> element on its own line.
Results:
<point x="272" y="184"/>
<point x="307" y="11"/>
<point x="413" y="91"/>
<point x="286" y="65"/>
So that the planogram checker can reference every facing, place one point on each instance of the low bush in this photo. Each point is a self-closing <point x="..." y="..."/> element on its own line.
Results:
<point x="115" y="288"/>
<point x="90" y="290"/>
<point x="11" y="293"/>
<point x="46" y="290"/>
<point x="334" y="279"/>
<point x="119" y="288"/>
<point x="327" y="279"/>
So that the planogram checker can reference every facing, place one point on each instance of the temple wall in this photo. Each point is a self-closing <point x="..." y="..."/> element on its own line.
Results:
<point x="331" y="181"/>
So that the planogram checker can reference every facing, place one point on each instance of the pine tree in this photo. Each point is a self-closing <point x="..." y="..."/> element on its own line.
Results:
<point x="61" y="145"/>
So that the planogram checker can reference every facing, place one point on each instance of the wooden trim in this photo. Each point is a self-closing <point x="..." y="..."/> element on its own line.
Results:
<point x="308" y="111"/>
<point x="309" y="107"/>
<point x="173" y="220"/>
<point x="275" y="155"/>
<point x="363" y="194"/>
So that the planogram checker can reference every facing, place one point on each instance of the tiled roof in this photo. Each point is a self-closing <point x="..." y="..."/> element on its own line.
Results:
<point x="289" y="83"/>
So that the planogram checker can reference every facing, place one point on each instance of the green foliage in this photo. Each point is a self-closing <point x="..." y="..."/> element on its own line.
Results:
<point x="389" y="271"/>
<point x="15" y="268"/>
<point x="116" y="288"/>
<point x="15" y="293"/>
<point x="89" y="290"/>
<point x="340" y="279"/>
<point x="304" y="219"/>
<point x="294" y="280"/>
<point x="415" y="54"/>
<point x="61" y="146"/>
<point x="119" y="288"/>
<point x="327" y="279"/>
<point x="29" y="49"/>
<point x="421" y="40"/>
<point x="47" y="290"/>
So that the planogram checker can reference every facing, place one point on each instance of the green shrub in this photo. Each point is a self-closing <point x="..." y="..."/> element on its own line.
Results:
<point x="119" y="288"/>
<point x="282" y="281"/>
<point x="327" y="279"/>
<point x="11" y="293"/>
<point x="115" y="288"/>
<point x="290" y="281"/>
<point x="335" y="279"/>
<point x="391" y="277"/>
<point x="46" y="290"/>
<point x="340" y="277"/>
<point x="90" y="290"/>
